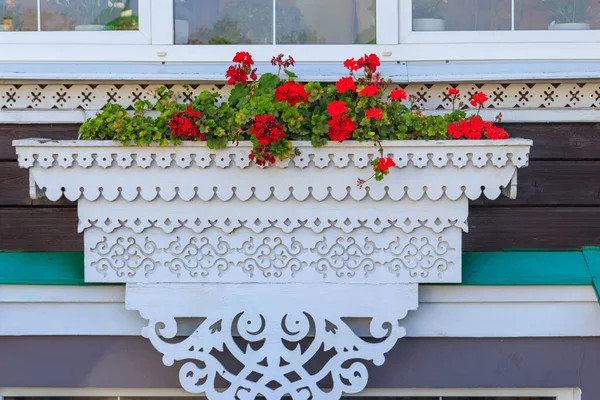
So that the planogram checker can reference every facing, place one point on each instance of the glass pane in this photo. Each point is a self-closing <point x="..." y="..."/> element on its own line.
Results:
<point x="224" y="21"/>
<point x="89" y="15"/>
<point x="557" y="14"/>
<point x="18" y="15"/>
<point x="461" y="15"/>
<point x="325" y="22"/>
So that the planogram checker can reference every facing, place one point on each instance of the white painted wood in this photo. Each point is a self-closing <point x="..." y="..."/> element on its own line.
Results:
<point x="156" y="215"/>
<point x="162" y="27"/>
<point x="387" y="22"/>
<point x="241" y="308"/>
<point x="444" y="311"/>
<point x="559" y="393"/>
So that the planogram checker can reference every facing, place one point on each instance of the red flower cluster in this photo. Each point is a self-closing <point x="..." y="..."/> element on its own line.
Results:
<point x="369" y="91"/>
<point x="266" y="130"/>
<point x="370" y="62"/>
<point x="475" y="128"/>
<point x="374" y="112"/>
<point x="337" y="108"/>
<point x="341" y="128"/>
<point x="345" y="84"/>
<point x="292" y="92"/>
<point x="479" y="99"/>
<point x="453" y="92"/>
<point x="281" y="63"/>
<point x="398" y="94"/>
<point x="243" y="70"/>
<point x="184" y="124"/>
<point x="385" y="163"/>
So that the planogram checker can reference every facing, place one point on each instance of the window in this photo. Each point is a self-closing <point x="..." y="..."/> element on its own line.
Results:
<point x="74" y="21"/>
<point x="211" y="31"/>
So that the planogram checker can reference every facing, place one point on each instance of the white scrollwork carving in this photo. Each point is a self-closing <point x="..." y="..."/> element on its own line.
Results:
<point x="249" y="257"/>
<point x="293" y="348"/>
<point x="125" y="256"/>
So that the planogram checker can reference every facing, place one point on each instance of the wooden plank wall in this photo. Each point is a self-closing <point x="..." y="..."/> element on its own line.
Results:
<point x="558" y="204"/>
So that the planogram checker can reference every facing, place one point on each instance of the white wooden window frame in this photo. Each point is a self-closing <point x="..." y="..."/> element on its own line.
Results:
<point x="557" y="393"/>
<point x="154" y="42"/>
<point x="407" y="36"/>
<point x="39" y="37"/>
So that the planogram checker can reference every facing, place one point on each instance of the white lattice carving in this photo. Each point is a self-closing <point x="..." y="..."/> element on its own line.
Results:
<point x="285" y="349"/>
<point x="437" y="169"/>
<point x="391" y="256"/>
<point x="503" y="96"/>
<point x="259" y="216"/>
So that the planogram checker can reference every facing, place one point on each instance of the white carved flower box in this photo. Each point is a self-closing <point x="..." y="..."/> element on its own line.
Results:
<point x="182" y="225"/>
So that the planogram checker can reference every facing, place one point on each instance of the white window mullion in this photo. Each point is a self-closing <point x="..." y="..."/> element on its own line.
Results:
<point x="39" y="15"/>
<point x="387" y="21"/>
<point x="512" y="15"/>
<point x="274" y="21"/>
<point x="405" y="20"/>
<point x="162" y="22"/>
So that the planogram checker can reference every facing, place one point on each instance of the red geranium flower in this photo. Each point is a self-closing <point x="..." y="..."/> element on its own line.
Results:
<point x="479" y="99"/>
<point x="453" y="92"/>
<point x="266" y="130"/>
<point x="374" y="112"/>
<point x="370" y="62"/>
<point x="341" y="128"/>
<point x="292" y="92"/>
<point x="369" y="91"/>
<point x="385" y="163"/>
<point x="244" y="58"/>
<point x="337" y="108"/>
<point x="345" y="84"/>
<point x="398" y="94"/>
<point x="352" y="64"/>
<point x="184" y="124"/>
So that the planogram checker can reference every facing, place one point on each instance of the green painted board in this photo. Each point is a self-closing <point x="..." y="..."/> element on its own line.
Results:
<point x="500" y="268"/>
<point x="41" y="268"/>
<point x="592" y="257"/>
<point x="526" y="268"/>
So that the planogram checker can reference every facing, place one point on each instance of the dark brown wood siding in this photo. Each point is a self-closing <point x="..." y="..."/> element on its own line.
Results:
<point x="558" y="204"/>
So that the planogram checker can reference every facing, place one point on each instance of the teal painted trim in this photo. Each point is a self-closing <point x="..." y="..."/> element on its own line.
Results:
<point x="507" y="268"/>
<point x="592" y="257"/>
<point x="526" y="268"/>
<point x="41" y="269"/>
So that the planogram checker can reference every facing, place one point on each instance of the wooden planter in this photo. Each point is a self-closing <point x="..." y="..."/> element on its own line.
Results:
<point x="188" y="227"/>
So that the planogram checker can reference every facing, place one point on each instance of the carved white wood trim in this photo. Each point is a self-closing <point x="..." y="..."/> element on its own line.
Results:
<point x="433" y="96"/>
<point x="273" y="344"/>
<point x="205" y="233"/>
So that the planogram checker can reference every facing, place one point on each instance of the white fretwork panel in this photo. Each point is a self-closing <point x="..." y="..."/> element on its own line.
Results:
<point x="273" y="340"/>
<point x="518" y="95"/>
<point x="278" y="217"/>
<point x="425" y="169"/>
<point x="272" y="256"/>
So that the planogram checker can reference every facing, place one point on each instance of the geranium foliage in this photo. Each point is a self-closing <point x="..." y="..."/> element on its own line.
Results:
<point x="275" y="109"/>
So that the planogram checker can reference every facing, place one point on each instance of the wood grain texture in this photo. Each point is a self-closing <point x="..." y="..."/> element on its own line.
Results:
<point x="543" y="183"/>
<point x="560" y="141"/>
<point x="551" y="141"/>
<point x="491" y="228"/>
<point x="10" y="132"/>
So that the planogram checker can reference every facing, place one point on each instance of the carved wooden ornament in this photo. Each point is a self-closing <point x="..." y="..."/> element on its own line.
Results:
<point x="273" y="261"/>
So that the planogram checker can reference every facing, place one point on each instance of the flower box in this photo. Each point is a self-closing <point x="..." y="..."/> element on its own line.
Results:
<point x="289" y="253"/>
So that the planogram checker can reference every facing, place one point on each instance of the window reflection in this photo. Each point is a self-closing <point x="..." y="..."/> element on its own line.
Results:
<point x="557" y="14"/>
<point x="18" y="15"/>
<point x="296" y="22"/>
<point x="89" y="15"/>
<point x="461" y="15"/>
